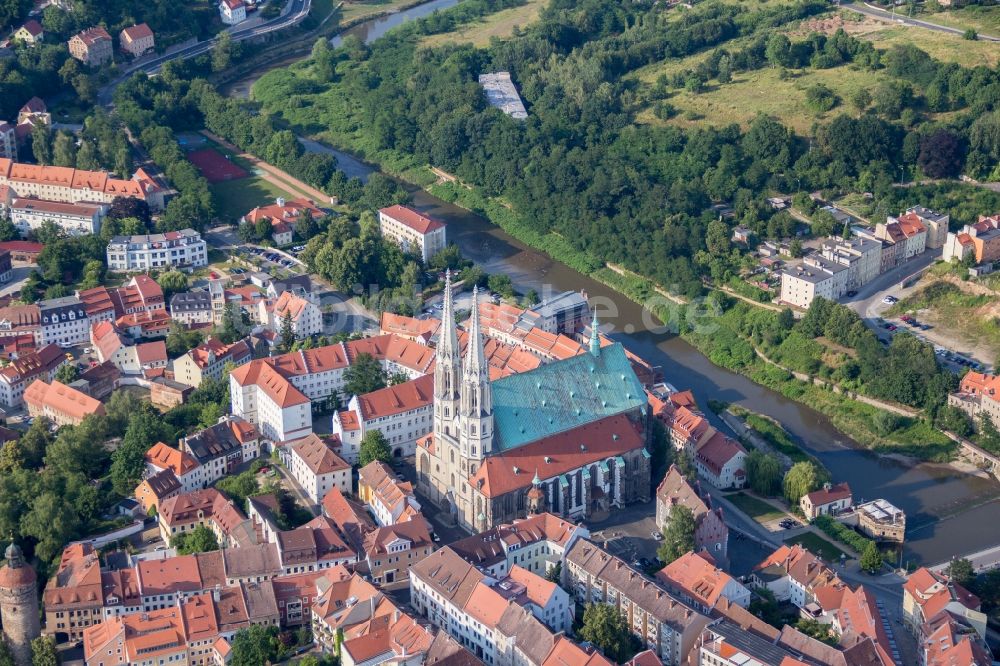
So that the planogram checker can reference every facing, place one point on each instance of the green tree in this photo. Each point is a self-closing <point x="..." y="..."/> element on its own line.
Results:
<point x="324" y="60"/>
<point x="804" y="477"/>
<point x="678" y="534"/>
<point x="821" y="631"/>
<point x="7" y="229"/>
<point x="764" y="473"/>
<point x="172" y="282"/>
<point x="222" y="52"/>
<point x="961" y="571"/>
<point x="43" y="651"/>
<point x="254" y="646"/>
<point x="605" y="626"/>
<point x="67" y="373"/>
<point x="64" y="149"/>
<point x="181" y="339"/>
<point x="41" y="143"/>
<point x="364" y="375"/>
<point x="128" y="460"/>
<point x="6" y="658"/>
<point x="199" y="540"/>
<point x="287" y="333"/>
<point x="871" y="558"/>
<point x="86" y="156"/>
<point x="860" y="99"/>
<point x="374" y="446"/>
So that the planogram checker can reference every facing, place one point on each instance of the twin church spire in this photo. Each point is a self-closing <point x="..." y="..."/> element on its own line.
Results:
<point x="463" y="398"/>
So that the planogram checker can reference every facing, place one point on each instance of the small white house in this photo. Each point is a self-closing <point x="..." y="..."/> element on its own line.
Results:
<point x="232" y="11"/>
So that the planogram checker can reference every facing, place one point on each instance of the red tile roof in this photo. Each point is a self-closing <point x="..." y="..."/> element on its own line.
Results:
<point x="565" y="452"/>
<point x="411" y="218"/>
<point x="835" y="493"/>
<point x="398" y="398"/>
<point x="61" y="399"/>
<point x="166" y="457"/>
<point x="137" y="32"/>
<point x="317" y="454"/>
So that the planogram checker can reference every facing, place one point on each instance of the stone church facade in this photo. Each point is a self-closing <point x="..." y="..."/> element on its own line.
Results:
<point x="568" y="437"/>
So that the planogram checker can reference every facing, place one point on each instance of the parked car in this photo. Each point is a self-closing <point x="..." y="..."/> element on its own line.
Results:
<point x="907" y="318"/>
<point x="852" y="294"/>
<point x="889" y="300"/>
<point x="656" y="535"/>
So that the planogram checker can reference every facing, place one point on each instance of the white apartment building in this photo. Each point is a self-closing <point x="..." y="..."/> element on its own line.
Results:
<point x="312" y="375"/>
<point x="207" y="360"/>
<point x="175" y="249"/>
<point x="306" y="317"/>
<point x="191" y="307"/>
<point x="16" y="376"/>
<point x="64" y="321"/>
<point x="232" y="11"/>
<point x="52" y="183"/>
<point x="76" y="219"/>
<point x="317" y="468"/>
<point x="402" y="413"/>
<point x="8" y="141"/>
<point x="862" y="256"/>
<point x="813" y="277"/>
<point x="412" y="231"/>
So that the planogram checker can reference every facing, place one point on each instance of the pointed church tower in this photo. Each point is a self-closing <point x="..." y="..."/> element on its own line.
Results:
<point x="447" y="369"/>
<point x="477" y="396"/>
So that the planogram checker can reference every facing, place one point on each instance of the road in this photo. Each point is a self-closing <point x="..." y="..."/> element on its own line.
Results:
<point x="293" y="13"/>
<point x="869" y="10"/>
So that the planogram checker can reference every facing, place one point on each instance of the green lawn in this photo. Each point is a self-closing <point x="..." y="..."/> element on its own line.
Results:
<point x="982" y="19"/>
<point x="817" y="545"/>
<point x="498" y="25"/>
<point x="759" y="510"/>
<point x="235" y="198"/>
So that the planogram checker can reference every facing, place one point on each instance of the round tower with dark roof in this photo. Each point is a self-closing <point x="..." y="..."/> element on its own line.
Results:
<point x="19" y="605"/>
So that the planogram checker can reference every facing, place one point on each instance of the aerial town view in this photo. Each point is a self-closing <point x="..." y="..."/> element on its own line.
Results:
<point x="500" y="332"/>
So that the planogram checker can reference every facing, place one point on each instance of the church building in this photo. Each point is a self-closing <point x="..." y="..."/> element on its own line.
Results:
<point x="568" y="437"/>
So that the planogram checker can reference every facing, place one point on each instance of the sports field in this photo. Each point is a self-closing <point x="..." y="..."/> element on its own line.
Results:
<point x="216" y="167"/>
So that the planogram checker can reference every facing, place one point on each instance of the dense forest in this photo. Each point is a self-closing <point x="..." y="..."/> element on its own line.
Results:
<point x="619" y="191"/>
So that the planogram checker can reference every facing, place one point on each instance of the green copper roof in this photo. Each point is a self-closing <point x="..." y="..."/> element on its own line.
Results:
<point x="563" y="395"/>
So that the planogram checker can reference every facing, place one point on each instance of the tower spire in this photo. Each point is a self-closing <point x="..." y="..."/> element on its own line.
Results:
<point x="447" y="368"/>
<point x="448" y="342"/>
<point x="476" y="394"/>
<point x="475" y="362"/>
<point x="595" y="336"/>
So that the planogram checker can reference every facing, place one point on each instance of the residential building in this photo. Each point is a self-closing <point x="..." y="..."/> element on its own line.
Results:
<point x="579" y="448"/>
<point x="6" y="267"/>
<point x="389" y="499"/>
<point x="76" y="219"/>
<point x="906" y="231"/>
<point x="402" y="413"/>
<point x="306" y="317"/>
<point x="25" y="251"/>
<point x="710" y="533"/>
<point x="662" y="621"/>
<point x="721" y="461"/>
<point x="793" y="574"/>
<point x="401" y="640"/>
<point x="346" y="606"/>
<point x="182" y="513"/>
<point x="978" y="394"/>
<point x="282" y="214"/>
<point x="148" y="359"/>
<point x="93" y="47"/>
<point x="538" y="543"/>
<point x="317" y="468"/>
<point x="411" y="328"/>
<point x="276" y="392"/>
<point x="298" y="285"/>
<point x="828" y="501"/>
<point x="221" y="448"/>
<point x="73" y="598"/>
<point x="31" y="33"/>
<point x="232" y="11"/>
<point x="21" y="322"/>
<point x="882" y="521"/>
<point x="207" y="361"/>
<point x="948" y="640"/>
<point x="8" y="144"/>
<point x="191" y="308"/>
<point x="64" y="321"/>
<point x="64" y="184"/>
<point x="811" y="278"/>
<point x="928" y="593"/>
<point x="412" y="231"/>
<point x="186" y="469"/>
<point x="184" y="249"/>
<point x="60" y="403"/>
<point x="98" y="381"/>
<point x="152" y="324"/>
<point x="34" y="112"/>
<point x="935" y="223"/>
<point x="862" y="256"/>
<point x="16" y="376"/>
<point x="155" y="488"/>
<point x="546" y="600"/>
<point x="695" y="578"/>
<point x="564" y="313"/>
<point x="137" y="40"/>
<point x="979" y="241"/>
<point x="390" y="551"/>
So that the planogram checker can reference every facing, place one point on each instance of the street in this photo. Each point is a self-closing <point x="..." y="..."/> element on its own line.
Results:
<point x="898" y="17"/>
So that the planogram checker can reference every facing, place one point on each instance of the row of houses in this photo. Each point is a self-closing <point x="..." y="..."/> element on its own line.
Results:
<point x="846" y="264"/>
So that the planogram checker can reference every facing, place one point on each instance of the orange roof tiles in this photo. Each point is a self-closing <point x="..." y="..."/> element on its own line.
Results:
<point x="486" y="605"/>
<point x="557" y="454"/>
<point x="538" y="590"/>
<point x="137" y="32"/>
<point x="408" y="327"/>
<point x="412" y="219"/>
<point x="317" y="454"/>
<point x="398" y="398"/>
<point x="61" y="399"/>
<point x="567" y="653"/>
<point x="163" y="456"/>
<point x="54" y="176"/>
<point x="697" y="577"/>
<point x="289" y="304"/>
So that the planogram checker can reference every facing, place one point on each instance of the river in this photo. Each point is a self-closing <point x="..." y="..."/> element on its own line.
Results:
<point x="947" y="511"/>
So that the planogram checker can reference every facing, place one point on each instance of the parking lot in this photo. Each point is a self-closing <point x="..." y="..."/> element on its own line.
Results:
<point x="887" y="328"/>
